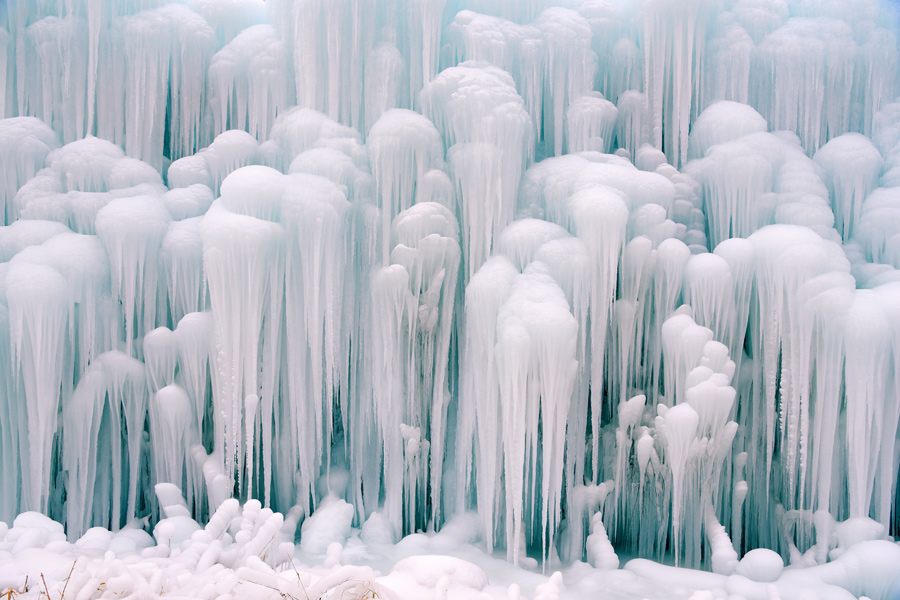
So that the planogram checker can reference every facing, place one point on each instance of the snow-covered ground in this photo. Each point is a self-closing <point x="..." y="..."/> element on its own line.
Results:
<point x="247" y="552"/>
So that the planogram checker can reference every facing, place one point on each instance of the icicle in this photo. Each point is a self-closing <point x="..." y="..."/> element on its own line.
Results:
<point x="414" y="298"/>
<point x="327" y="69"/>
<point x="161" y="357"/>
<point x="674" y="36"/>
<point x="181" y="266"/>
<point x="82" y="415"/>
<point x="633" y="123"/>
<point x="722" y="122"/>
<point x="867" y="357"/>
<point x="489" y="135"/>
<point x="600" y="552"/>
<point x="402" y="147"/>
<point x="230" y="151"/>
<point x="171" y="430"/>
<point x="570" y="65"/>
<point x="385" y="70"/>
<point x="38" y="313"/>
<point x="192" y="46"/>
<point x="593" y="210"/>
<point x="852" y="166"/>
<point x="724" y="558"/>
<point x="6" y="75"/>
<point x="424" y="27"/>
<point x="590" y="123"/>
<point x="535" y="361"/>
<point x="80" y="179"/>
<point x="83" y="262"/>
<point x="810" y="62"/>
<point x="194" y="335"/>
<point x="709" y="289"/>
<point x="297" y="130"/>
<point x="680" y="428"/>
<point x="126" y="403"/>
<point x="338" y="166"/>
<point x="230" y="19"/>
<point x="245" y="253"/>
<point x="728" y="62"/>
<point x="55" y="88"/>
<point x="132" y="229"/>
<point x="249" y="82"/>
<point x="24" y="144"/>
<point x="479" y="412"/>
<point x="315" y="215"/>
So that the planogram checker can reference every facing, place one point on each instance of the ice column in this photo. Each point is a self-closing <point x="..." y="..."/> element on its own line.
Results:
<point x="489" y="136"/>
<point x="413" y="300"/>
<point x="243" y="254"/>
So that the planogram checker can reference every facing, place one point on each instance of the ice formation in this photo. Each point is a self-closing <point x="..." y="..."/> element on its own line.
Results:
<point x="569" y="281"/>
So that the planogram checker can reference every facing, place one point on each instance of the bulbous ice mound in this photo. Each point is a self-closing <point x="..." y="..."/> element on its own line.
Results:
<point x="761" y="564"/>
<point x="851" y="166"/>
<point x="428" y="571"/>
<point x="24" y="145"/>
<point x="722" y="122"/>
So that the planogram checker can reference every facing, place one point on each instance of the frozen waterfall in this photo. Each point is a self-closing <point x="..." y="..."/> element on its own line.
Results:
<point x="605" y="277"/>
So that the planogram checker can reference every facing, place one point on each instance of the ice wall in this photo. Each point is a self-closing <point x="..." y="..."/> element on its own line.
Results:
<point x="610" y="275"/>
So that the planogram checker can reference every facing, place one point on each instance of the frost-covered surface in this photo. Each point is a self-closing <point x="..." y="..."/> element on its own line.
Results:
<point x="562" y="282"/>
<point x="246" y="552"/>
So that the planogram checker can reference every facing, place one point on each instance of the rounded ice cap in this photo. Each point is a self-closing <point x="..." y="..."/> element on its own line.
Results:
<point x="590" y="123"/>
<point x="129" y="172"/>
<point x="423" y="219"/>
<point x="761" y="565"/>
<point x="435" y="186"/>
<point x="188" y="171"/>
<point x="427" y="571"/>
<point x="174" y="531"/>
<point x="141" y="217"/>
<point x="405" y="130"/>
<point x="255" y="191"/>
<point x="376" y="530"/>
<point x="26" y="232"/>
<point x="174" y="404"/>
<point x="851" y="166"/>
<point x="335" y="165"/>
<point x="300" y="129"/>
<point x="521" y="239"/>
<point x="186" y="202"/>
<point x="721" y="122"/>
<point x="760" y="17"/>
<point x="24" y="145"/>
<point x="230" y="18"/>
<point x="648" y="158"/>
<point x="35" y="293"/>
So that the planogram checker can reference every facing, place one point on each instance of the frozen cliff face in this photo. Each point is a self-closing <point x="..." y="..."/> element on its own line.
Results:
<point x="609" y="275"/>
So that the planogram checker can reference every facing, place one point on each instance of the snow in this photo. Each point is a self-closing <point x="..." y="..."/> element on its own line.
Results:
<point x="449" y="299"/>
<point x="761" y="565"/>
<point x="244" y="551"/>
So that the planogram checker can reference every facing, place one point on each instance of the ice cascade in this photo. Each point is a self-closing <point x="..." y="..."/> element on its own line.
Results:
<point x="609" y="277"/>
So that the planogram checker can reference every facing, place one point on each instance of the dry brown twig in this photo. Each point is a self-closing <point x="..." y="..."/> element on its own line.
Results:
<point x="10" y="594"/>
<point x="299" y="580"/>
<point x="7" y="595"/>
<point x="62" y="595"/>
<point x="366" y="593"/>
<point x="46" y="591"/>
<point x="284" y="595"/>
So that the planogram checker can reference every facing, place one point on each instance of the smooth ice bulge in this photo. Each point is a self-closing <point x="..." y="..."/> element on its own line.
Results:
<point x="567" y="280"/>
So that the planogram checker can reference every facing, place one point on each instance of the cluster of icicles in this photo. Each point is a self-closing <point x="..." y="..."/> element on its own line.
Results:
<point x="612" y="276"/>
